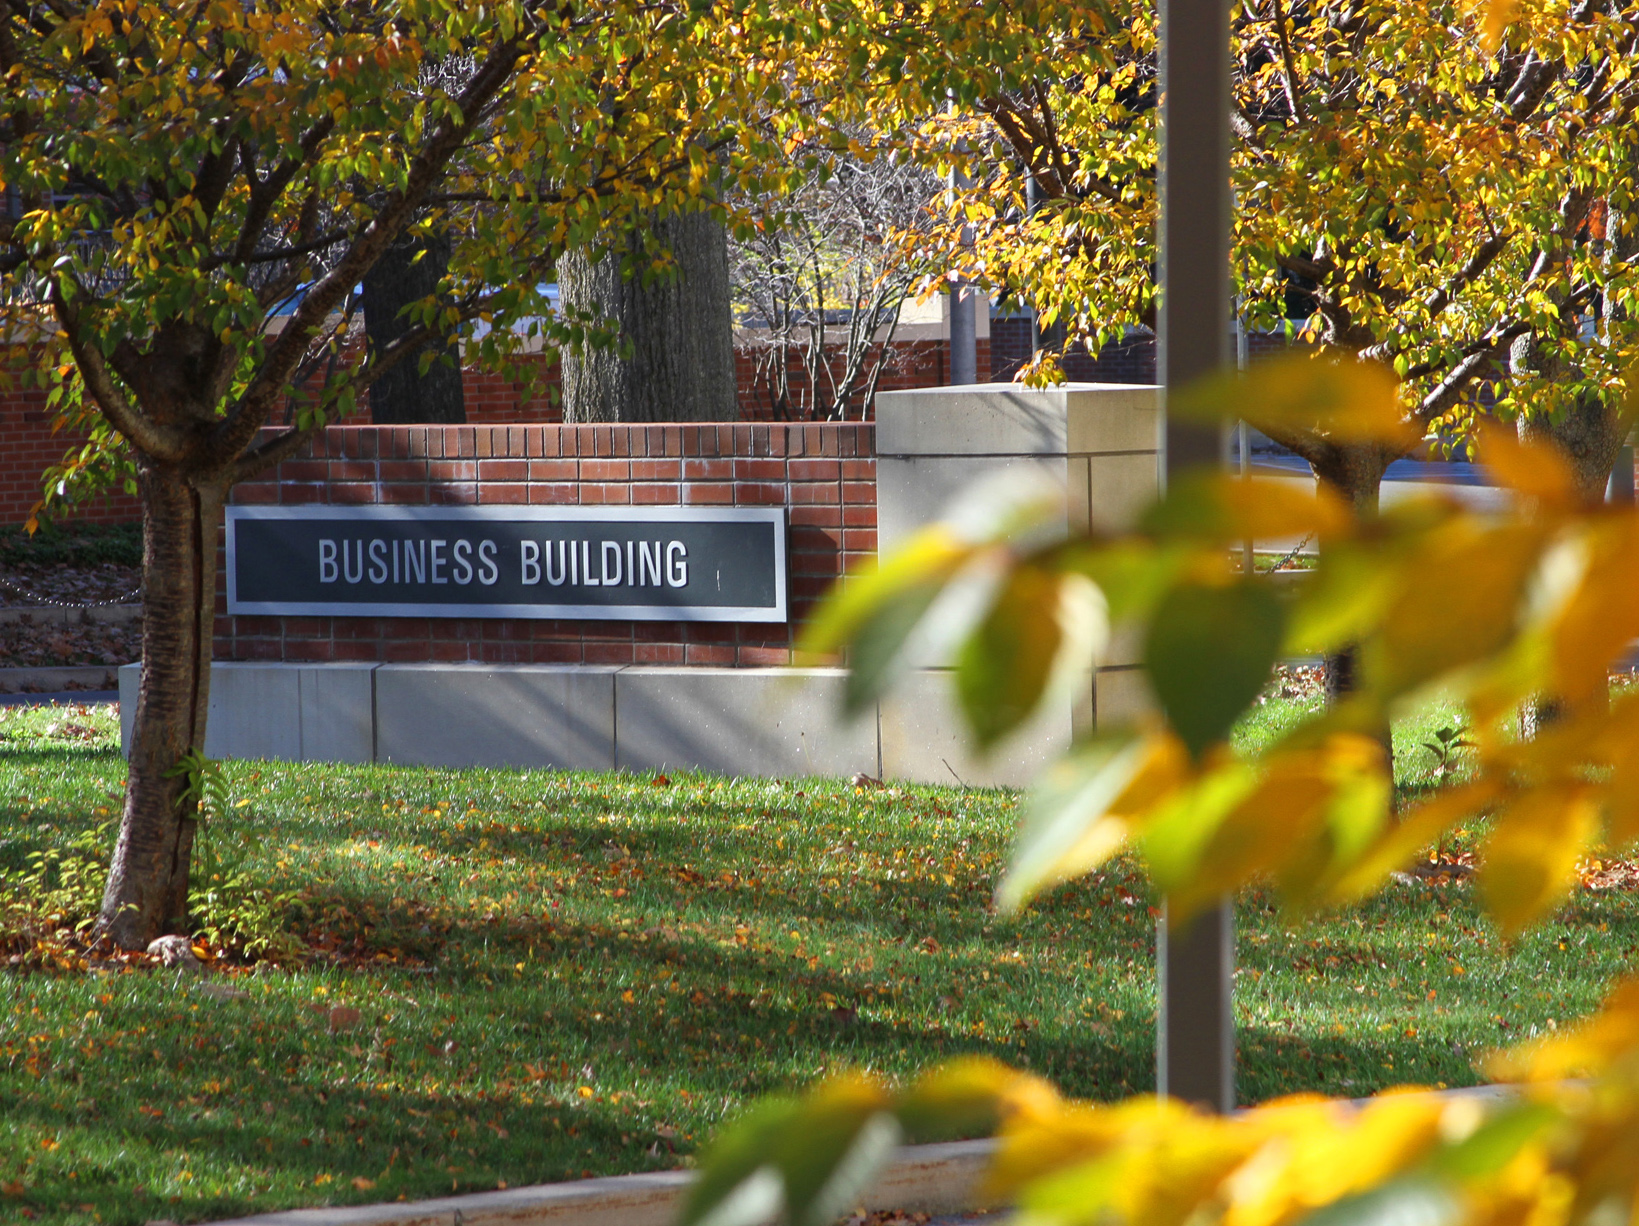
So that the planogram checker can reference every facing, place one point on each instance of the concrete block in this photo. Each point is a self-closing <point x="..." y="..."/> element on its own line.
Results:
<point x="1111" y="417"/>
<point x="767" y="722"/>
<point x="1007" y="419"/>
<point x="912" y="493"/>
<point x="338" y="712"/>
<point x="1120" y="488"/>
<point x="521" y="715"/>
<point x="130" y="678"/>
<point x="255" y="712"/>
<point x="924" y="739"/>
<point x="1122" y="697"/>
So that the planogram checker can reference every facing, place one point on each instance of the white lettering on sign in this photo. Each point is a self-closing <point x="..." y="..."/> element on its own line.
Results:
<point x="583" y="563"/>
<point x="679" y="563"/>
<point x="587" y="563"/>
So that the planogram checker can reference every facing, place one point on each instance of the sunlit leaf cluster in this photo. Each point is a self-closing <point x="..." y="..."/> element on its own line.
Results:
<point x="1492" y="610"/>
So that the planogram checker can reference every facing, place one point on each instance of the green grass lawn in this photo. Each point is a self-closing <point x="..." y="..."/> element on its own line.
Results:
<point x="518" y="977"/>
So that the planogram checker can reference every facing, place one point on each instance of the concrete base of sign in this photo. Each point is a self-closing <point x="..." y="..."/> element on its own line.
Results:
<point x="520" y="715"/>
<point x="740" y="721"/>
<point x="1100" y="442"/>
<point x="283" y="712"/>
<point x="925" y="740"/>
<point x="773" y="723"/>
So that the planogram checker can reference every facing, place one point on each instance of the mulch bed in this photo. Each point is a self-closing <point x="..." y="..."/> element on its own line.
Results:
<point x="23" y="644"/>
<point x="99" y="583"/>
<point x="47" y="643"/>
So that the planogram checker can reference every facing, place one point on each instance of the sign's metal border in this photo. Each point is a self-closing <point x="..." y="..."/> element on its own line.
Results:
<point x="531" y="612"/>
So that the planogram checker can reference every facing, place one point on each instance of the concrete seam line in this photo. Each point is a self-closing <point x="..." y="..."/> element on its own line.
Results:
<point x="927" y="1178"/>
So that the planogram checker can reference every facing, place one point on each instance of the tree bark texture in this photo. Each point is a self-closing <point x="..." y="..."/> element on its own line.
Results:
<point x="675" y="360"/>
<point x="1589" y="436"/>
<point x="404" y="395"/>
<point x="147" y="891"/>
<point x="1354" y="472"/>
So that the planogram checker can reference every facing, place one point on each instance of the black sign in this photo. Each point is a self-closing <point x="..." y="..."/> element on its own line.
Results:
<point x="649" y="564"/>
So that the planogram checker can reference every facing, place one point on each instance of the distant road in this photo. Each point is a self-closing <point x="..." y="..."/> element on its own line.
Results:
<point x="1405" y="478"/>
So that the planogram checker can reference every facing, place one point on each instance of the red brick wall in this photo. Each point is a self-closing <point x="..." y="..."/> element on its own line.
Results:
<point x="825" y="475"/>
<point x="29" y="446"/>
<point x="912" y="364"/>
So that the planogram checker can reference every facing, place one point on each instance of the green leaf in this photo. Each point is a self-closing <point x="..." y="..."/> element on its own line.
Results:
<point x="1404" y="1202"/>
<point x="1209" y="653"/>
<point x="813" y="1156"/>
<point x="963" y="1098"/>
<point x="1067" y="829"/>
<point x="874" y="612"/>
<point x="738" y="1183"/>
<point x="1040" y="623"/>
<point x="877" y="653"/>
<point x="1494" y="1143"/>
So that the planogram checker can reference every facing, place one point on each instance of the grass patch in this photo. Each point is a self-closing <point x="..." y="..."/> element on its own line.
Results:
<point x="517" y="977"/>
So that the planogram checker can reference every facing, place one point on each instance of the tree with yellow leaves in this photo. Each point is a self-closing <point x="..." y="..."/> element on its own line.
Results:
<point x="194" y="191"/>
<point x="1455" y="205"/>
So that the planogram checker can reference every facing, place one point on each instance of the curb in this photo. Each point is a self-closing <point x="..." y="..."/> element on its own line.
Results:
<point x="920" y="1178"/>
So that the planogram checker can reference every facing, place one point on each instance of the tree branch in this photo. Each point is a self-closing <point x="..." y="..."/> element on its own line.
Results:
<point x="159" y="442"/>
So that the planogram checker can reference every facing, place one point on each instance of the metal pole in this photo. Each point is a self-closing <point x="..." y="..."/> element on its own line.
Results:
<point x="1195" y="1055"/>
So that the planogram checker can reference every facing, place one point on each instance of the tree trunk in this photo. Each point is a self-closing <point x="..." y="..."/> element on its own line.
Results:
<point x="676" y="356"/>
<point x="404" y="395"/>
<point x="147" y="892"/>
<point x="1589" y="436"/>
<point x="1354" y="472"/>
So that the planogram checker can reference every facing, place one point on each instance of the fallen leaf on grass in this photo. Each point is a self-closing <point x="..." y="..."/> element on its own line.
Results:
<point x="343" y="1018"/>
<point x="363" y="1184"/>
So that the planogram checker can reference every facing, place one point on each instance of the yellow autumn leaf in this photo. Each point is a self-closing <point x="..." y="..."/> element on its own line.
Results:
<point x="1528" y="863"/>
<point x="1497" y="16"/>
<point x="1414" y="830"/>
<point x="1532" y="469"/>
<point x="1353" y="401"/>
<point x="1601" y="617"/>
<point x="1460" y="601"/>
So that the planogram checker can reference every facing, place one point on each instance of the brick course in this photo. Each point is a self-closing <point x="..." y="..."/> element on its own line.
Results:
<point x="823" y="473"/>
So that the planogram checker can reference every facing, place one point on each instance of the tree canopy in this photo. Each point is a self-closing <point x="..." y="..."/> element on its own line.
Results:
<point x="1411" y="188"/>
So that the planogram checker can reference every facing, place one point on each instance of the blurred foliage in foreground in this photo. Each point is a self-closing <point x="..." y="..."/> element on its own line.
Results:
<point x="1495" y="610"/>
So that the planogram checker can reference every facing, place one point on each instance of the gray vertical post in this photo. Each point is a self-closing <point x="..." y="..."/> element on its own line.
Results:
<point x="1195" y="1054"/>
<point x="964" y="334"/>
